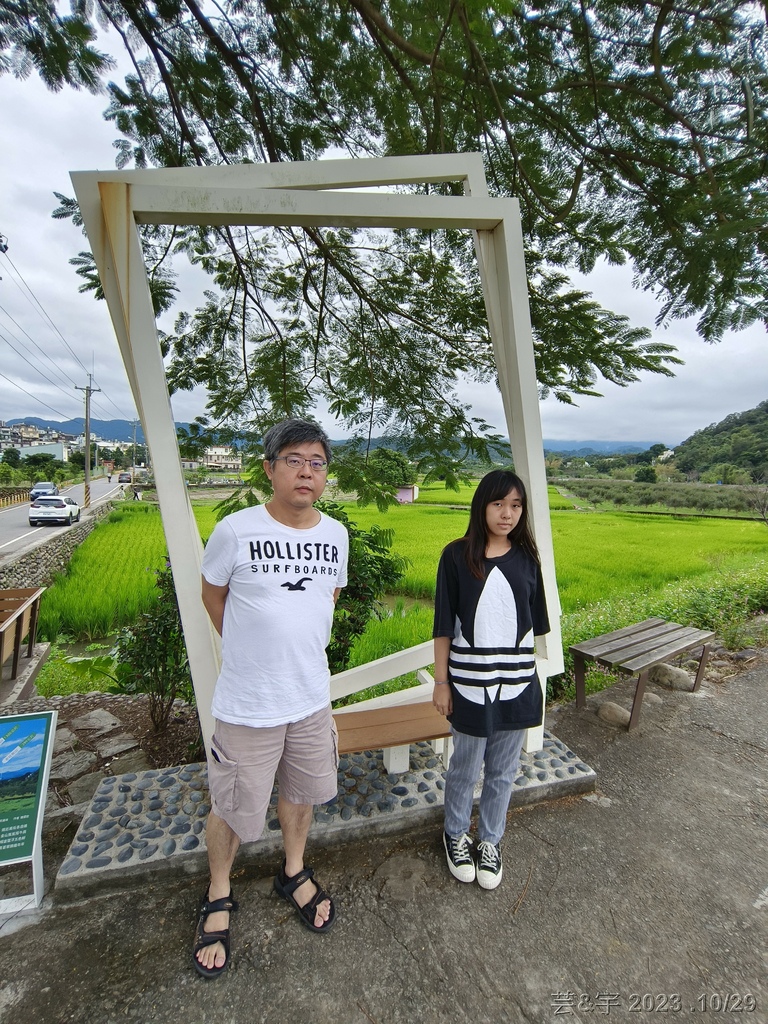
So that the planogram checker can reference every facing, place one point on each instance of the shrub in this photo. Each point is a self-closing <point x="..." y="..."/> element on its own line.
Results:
<point x="150" y="657"/>
<point x="646" y="496"/>
<point x="373" y="570"/>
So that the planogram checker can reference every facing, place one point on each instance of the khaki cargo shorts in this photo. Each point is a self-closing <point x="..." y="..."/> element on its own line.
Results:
<point x="244" y="763"/>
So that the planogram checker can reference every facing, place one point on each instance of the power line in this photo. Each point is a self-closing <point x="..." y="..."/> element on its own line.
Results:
<point x="41" y="311"/>
<point x="105" y="414"/>
<point x="44" y="313"/>
<point x="40" y="350"/>
<point x="36" y="368"/>
<point x="34" y="398"/>
<point x="117" y="409"/>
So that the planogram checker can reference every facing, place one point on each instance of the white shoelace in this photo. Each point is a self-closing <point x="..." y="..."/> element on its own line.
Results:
<point x="489" y="856"/>
<point x="461" y="847"/>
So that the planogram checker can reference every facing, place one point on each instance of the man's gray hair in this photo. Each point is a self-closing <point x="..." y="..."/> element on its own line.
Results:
<point x="294" y="432"/>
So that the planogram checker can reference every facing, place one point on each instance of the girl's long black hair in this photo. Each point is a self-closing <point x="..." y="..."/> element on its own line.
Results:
<point x="494" y="486"/>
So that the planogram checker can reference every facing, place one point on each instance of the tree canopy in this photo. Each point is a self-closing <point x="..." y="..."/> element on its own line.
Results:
<point x="739" y="441"/>
<point x="631" y="131"/>
<point x="11" y="457"/>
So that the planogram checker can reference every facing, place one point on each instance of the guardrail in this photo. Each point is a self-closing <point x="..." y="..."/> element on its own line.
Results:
<point x="13" y="496"/>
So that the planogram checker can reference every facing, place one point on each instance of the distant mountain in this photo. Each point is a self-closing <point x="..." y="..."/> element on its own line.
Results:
<point x="21" y="773"/>
<point x="122" y="430"/>
<point x="583" y="449"/>
<point x="108" y="430"/>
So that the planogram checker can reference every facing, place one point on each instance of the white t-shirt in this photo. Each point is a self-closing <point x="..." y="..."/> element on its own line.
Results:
<point x="277" y="616"/>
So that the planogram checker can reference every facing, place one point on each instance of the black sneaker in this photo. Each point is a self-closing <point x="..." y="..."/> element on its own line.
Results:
<point x="459" y="856"/>
<point x="489" y="868"/>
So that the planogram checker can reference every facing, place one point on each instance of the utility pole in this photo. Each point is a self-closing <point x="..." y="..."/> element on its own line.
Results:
<point x="133" y="460"/>
<point x="88" y="391"/>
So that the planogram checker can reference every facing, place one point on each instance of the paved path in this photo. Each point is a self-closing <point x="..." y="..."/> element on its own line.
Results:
<point x="644" y="901"/>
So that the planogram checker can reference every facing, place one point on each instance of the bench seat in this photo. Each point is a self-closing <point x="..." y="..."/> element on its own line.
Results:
<point x="393" y="726"/>
<point x="638" y="648"/>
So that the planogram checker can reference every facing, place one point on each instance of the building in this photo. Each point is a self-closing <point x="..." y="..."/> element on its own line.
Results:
<point x="221" y="457"/>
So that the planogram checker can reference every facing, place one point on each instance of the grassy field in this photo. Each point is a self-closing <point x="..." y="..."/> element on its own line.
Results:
<point x="110" y="580"/>
<point x="612" y="569"/>
<point x="436" y="494"/>
<point x="597" y="556"/>
<point x="421" y="533"/>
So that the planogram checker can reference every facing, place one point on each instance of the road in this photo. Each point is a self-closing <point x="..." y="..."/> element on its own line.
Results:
<point x="17" y="535"/>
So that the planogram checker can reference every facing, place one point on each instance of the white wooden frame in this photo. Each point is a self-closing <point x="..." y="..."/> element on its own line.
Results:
<point x="114" y="203"/>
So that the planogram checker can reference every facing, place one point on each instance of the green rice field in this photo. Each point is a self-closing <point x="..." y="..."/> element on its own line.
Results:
<point x="438" y="494"/>
<point x="612" y="569"/>
<point x="110" y="580"/>
<point x="597" y="556"/>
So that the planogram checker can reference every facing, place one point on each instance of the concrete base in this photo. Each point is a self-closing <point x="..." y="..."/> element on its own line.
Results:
<point x="23" y="686"/>
<point x="153" y="822"/>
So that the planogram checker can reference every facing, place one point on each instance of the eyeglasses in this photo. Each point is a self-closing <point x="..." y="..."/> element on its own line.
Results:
<point x="296" y="462"/>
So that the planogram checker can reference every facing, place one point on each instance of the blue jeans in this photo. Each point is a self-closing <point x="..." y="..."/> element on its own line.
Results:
<point x="501" y="754"/>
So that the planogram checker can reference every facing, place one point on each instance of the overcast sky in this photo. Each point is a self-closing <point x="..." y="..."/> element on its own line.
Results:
<point x="49" y="330"/>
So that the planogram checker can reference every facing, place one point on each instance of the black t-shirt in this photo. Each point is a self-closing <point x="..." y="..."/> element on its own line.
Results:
<point x="492" y="623"/>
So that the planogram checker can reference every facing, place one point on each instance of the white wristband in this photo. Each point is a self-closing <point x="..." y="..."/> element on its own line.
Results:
<point x="441" y="682"/>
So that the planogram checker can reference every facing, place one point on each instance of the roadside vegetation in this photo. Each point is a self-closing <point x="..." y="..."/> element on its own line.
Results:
<point x="109" y="581"/>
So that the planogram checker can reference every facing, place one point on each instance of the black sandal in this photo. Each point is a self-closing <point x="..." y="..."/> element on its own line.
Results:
<point x="286" y="887"/>
<point x="204" y="938"/>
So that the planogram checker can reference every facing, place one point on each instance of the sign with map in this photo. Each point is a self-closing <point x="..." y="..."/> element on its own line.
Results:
<point x="26" y="743"/>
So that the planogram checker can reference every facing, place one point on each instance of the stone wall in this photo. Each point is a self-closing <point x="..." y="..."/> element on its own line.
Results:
<point x="36" y="568"/>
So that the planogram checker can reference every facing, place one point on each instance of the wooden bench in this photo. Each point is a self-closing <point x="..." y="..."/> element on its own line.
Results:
<point x="638" y="648"/>
<point x="19" y="610"/>
<point x="394" y="726"/>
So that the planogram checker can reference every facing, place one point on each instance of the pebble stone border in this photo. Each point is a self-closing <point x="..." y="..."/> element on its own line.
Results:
<point x="145" y="818"/>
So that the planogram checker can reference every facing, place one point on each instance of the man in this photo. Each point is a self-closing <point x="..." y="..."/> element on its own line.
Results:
<point x="271" y="576"/>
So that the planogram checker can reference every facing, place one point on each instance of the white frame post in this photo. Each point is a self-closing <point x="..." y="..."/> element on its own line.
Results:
<point x="114" y="203"/>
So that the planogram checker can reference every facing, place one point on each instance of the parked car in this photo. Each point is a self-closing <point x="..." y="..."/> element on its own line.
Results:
<point x="54" y="509"/>
<point x="44" y="487"/>
<point x="124" y="478"/>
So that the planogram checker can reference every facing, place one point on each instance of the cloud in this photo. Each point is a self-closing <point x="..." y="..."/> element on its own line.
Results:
<point x="48" y="134"/>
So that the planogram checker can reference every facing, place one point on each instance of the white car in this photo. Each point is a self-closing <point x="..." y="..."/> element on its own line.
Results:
<point x="54" y="509"/>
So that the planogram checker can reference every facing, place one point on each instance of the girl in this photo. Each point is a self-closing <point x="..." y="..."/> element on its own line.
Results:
<point x="489" y="605"/>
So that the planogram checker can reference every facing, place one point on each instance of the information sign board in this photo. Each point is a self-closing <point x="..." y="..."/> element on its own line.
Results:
<point x="26" y="747"/>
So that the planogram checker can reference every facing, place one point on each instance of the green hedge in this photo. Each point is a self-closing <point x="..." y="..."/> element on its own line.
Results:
<point x="698" y="497"/>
